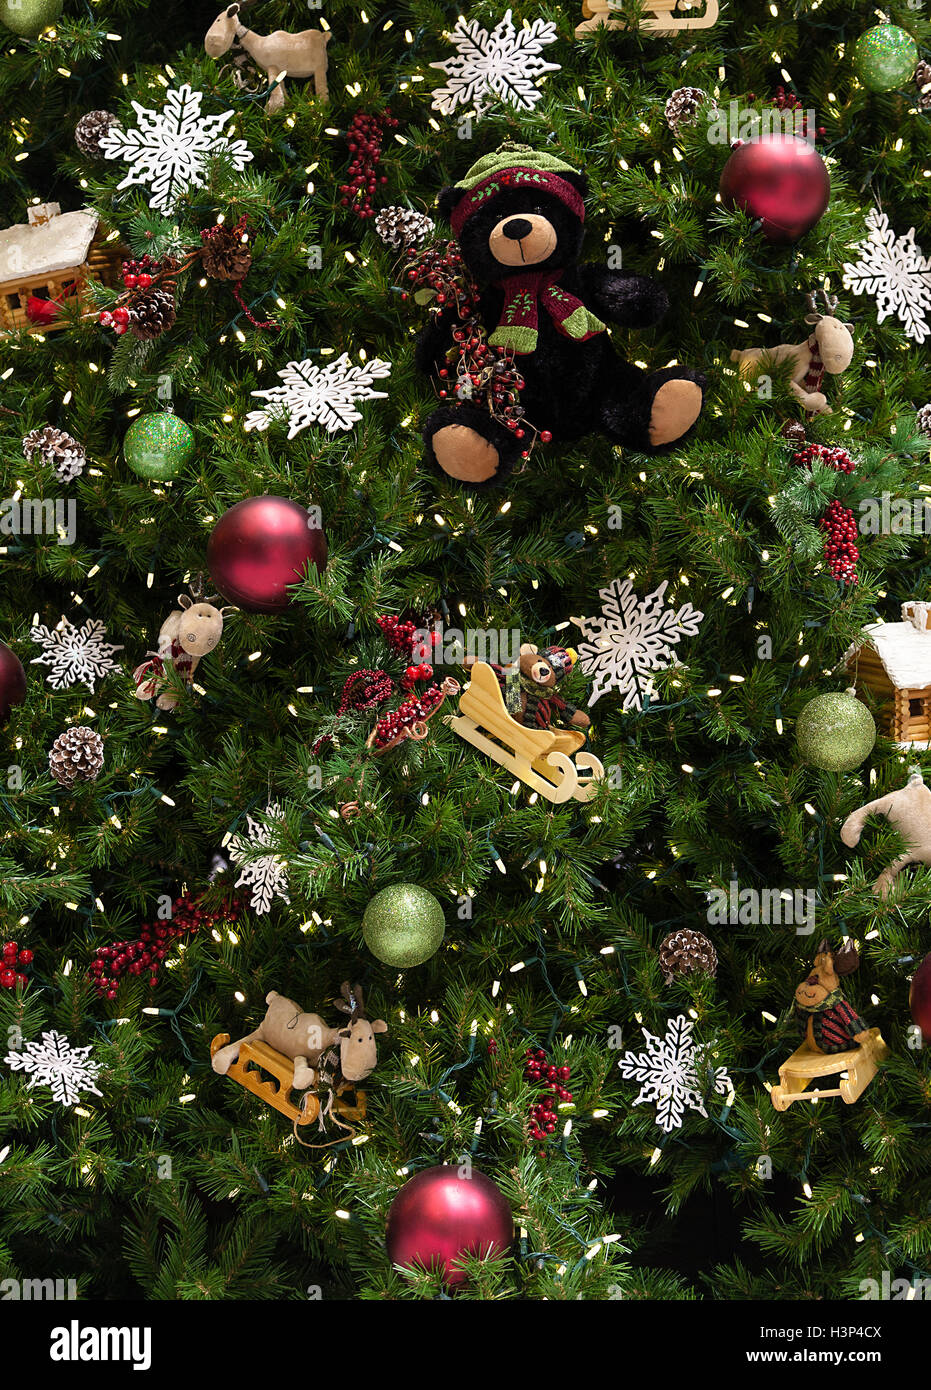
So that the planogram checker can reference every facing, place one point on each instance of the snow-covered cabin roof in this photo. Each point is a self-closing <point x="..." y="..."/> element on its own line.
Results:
<point x="59" y="244"/>
<point x="903" y="649"/>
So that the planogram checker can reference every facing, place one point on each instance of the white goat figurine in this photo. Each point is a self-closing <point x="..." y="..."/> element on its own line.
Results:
<point x="828" y="349"/>
<point x="278" y="55"/>
<point x="189" y="632"/>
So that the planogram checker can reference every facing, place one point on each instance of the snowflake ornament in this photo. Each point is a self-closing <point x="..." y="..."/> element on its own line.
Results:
<point x="505" y="63"/>
<point x="266" y="874"/>
<point x="52" y="1061"/>
<point x="631" y="639"/>
<point x="74" y="653"/>
<point x="169" y="149"/>
<point x="669" y="1071"/>
<point x="320" y="395"/>
<point x="897" y="272"/>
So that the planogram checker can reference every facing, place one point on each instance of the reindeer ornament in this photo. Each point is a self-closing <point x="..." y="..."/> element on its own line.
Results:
<point x="828" y="349"/>
<point x="278" y="55"/>
<point x="908" y="811"/>
<point x="191" y="631"/>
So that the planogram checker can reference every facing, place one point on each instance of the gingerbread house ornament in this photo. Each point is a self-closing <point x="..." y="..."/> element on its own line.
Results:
<point x="48" y="259"/>
<point x="660" y="17"/>
<point x="893" y="663"/>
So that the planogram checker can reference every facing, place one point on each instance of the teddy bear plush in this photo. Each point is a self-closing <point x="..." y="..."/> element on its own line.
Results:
<point x="529" y="688"/>
<point x="519" y="218"/>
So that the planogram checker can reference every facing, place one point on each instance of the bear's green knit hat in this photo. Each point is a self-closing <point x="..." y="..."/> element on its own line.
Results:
<point x="510" y="156"/>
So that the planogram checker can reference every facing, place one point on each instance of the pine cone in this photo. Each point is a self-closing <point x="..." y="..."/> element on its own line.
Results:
<point x="151" y="312"/>
<point x="924" y="419"/>
<point x="686" y="950"/>
<point x="58" y="448"/>
<point x="794" y="431"/>
<point x="401" y="227"/>
<point x="923" y="83"/>
<point x="91" y="129"/>
<point x="76" y="756"/>
<point x="225" y="255"/>
<point x="682" y="107"/>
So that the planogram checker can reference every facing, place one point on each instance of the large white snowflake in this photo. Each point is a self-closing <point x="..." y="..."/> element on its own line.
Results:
<point x="320" y="395"/>
<point x="505" y="62"/>
<point x="631" y="639"/>
<point x="74" y="653"/>
<point x="54" y="1062"/>
<point x="169" y="149"/>
<point x="897" y="272"/>
<point x="669" y="1069"/>
<point x="265" y="874"/>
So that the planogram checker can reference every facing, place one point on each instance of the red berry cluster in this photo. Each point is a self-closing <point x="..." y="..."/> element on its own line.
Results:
<point x="364" y="137"/>
<point x="147" y="953"/>
<point x="363" y="690"/>
<point x="138" y="276"/>
<point x="789" y="102"/>
<point x="415" y="711"/>
<point x="14" y="961"/>
<point x="399" y="635"/>
<point x="840" y="549"/>
<point x="835" y="458"/>
<point x="550" y="1079"/>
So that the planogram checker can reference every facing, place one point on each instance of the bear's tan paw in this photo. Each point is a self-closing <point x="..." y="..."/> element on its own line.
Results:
<point x="463" y="454"/>
<point x="676" y="407"/>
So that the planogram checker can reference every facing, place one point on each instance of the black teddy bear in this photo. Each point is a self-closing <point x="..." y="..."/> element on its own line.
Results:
<point x="519" y="218"/>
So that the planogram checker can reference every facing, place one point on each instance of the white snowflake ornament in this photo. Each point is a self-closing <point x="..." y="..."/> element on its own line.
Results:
<point x="266" y="874"/>
<point x="631" y="639"/>
<point x="52" y="1061"/>
<point x="169" y="149"/>
<point x="74" y="653"/>
<point x="320" y="395"/>
<point x="505" y="63"/>
<point x="669" y="1070"/>
<point x="897" y="272"/>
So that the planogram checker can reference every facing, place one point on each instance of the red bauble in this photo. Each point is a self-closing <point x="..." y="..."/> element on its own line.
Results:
<point x="439" y="1216"/>
<point x="259" y="547"/>
<point x="12" y="681"/>
<point x="919" y="998"/>
<point x="782" y="180"/>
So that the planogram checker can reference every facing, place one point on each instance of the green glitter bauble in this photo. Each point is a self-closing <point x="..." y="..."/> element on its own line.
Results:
<point x="403" y="925"/>
<point x="29" y="17"/>
<point x="885" y="57"/>
<point x="835" y="732"/>
<point x="158" y="446"/>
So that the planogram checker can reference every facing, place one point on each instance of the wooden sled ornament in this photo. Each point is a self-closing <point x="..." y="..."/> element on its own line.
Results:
<point x="542" y="758"/>
<point x="257" y="1057"/>
<point x="806" y="1064"/>
<point x="658" y="18"/>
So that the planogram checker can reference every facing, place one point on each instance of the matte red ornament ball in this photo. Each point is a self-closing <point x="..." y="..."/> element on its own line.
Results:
<point x="919" y="998"/>
<point x="439" y="1216"/>
<point x="780" y="179"/>
<point x="259" y="547"/>
<point x="12" y="681"/>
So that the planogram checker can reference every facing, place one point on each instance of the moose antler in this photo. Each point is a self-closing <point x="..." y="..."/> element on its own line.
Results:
<point x="351" y="1001"/>
<point x="846" y="960"/>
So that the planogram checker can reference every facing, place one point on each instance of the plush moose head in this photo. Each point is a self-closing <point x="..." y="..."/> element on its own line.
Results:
<point x="200" y="625"/>
<point x="826" y="972"/>
<point x="834" y="339"/>
<point x="358" y="1051"/>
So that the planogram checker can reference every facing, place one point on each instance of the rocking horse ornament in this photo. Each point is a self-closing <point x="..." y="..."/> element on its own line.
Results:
<point x="279" y="55"/>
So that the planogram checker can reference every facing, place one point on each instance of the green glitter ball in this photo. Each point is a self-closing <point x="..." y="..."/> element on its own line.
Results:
<point x="158" y="446"/>
<point x="403" y="925"/>
<point x="835" y="732"/>
<point x="29" y="17"/>
<point x="885" y="57"/>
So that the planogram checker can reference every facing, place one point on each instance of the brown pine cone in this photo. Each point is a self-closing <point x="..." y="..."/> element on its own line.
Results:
<point x="91" y="129"/>
<point x="225" y="255"/>
<point x="794" y="431"/>
<point x="403" y="226"/>
<point x="686" y="950"/>
<point x="923" y="83"/>
<point x="76" y="756"/>
<point x="683" y="106"/>
<point x="924" y="419"/>
<point x="151" y="312"/>
<point x="58" y="448"/>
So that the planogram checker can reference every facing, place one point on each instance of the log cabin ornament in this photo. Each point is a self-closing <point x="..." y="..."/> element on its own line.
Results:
<point x="47" y="260"/>
<point x="834" y="1037"/>
<point x="189" y="632"/>
<point x="660" y="17"/>
<point x="827" y="349"/>
<point x="893" y="663"/>
<point x="908" y="811"/>
<point x="279" y="55"/>
<point x="516" y="716"/>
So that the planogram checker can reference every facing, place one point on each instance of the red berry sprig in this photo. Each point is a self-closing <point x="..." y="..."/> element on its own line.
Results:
<point x="830" y="457"/>
<point x="790" y="102"/>
<point x="364" y="138"/>
<point x="840" y="549"/>
<point x="414" y="711"/>
<point x="550" y="1080"/>
<point x="15" y="960"/>
<point x="147" y="953"/>
<point x="399" y="635"/>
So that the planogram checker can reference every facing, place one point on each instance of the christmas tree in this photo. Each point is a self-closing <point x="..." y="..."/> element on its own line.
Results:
<point x="247" y="598"/>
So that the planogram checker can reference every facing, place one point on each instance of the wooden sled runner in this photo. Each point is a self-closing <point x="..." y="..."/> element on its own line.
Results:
<point x="860" y="1064"/>
<point x="257" y="1057"/>
<point x="658" y="18"/>
<point x="543" y="758"/>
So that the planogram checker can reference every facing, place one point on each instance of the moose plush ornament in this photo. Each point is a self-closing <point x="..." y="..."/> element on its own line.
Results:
<point x="278" y="54"/>
<point x="828" y="348"/>
<point x="908" y="811"/>
<point x="519" y="217"/>
<point x="189" y="632"/>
